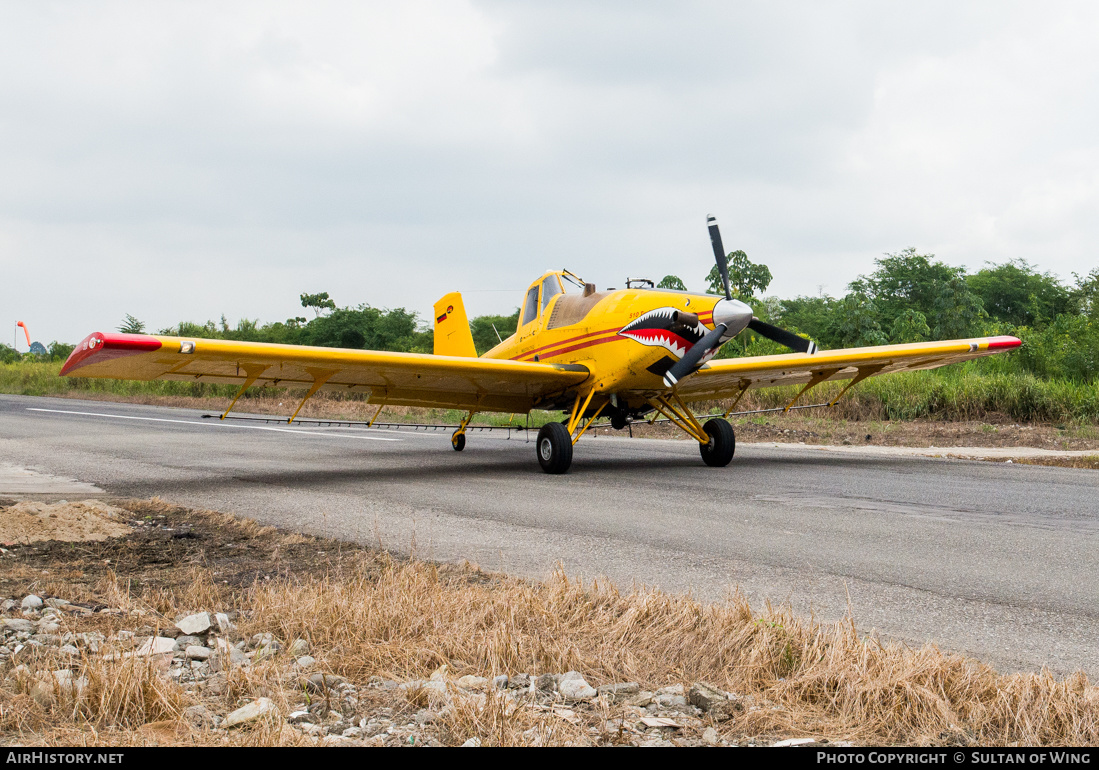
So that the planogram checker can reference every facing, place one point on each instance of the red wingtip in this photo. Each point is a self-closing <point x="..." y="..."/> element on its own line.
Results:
<point x="1004" y="342"/>
<point x="104" y="347"/>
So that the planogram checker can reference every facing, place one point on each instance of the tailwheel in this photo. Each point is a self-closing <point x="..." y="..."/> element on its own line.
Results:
<point x="719" y="451"/>
<point x="458" y="441"/>
<point x="554" y="448"/>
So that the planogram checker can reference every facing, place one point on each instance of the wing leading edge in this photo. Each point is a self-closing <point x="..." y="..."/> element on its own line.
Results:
<point x="727" y="377"/>
<point x="400" y="379"/>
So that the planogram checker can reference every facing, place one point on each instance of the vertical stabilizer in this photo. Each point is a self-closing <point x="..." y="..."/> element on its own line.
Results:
<point x="452" y="334"/>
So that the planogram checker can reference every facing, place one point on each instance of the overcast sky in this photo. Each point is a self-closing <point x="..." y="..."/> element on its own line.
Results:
<point x="177" y="161"/>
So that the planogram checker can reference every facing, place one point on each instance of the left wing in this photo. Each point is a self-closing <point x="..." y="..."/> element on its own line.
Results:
<point x="728" y="376"/>
<point x="401" y="379"/>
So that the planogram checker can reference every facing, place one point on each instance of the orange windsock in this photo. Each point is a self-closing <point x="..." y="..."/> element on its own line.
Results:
<point x="20" y="323"/>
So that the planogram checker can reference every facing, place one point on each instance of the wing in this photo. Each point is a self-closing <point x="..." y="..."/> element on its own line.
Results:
<point x="728" y="376"/>
<point x="403" y="379"/>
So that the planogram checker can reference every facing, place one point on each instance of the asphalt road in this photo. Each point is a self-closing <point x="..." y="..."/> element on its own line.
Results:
<point x="997" y="561"/>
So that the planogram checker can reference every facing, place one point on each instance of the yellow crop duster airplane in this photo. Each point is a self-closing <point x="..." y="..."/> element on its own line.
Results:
<point x="624" y="354"/>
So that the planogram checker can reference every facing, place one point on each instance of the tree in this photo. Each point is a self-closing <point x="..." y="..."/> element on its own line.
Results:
<point x="808" y="315"/>
<point x="370" y="328"/>
<point x="485" y="328"/>
<point x="1015" y="292"/>
<point x="191" y="329"/>
<point x="671" y="282"/>
<point x="909" y="326"/>
<point x="854" y="323"/>
<point x="1068" y="348"/>
<point x="904" y="280"/>
<point x="1085" y="295"/>
<point x="958" y="312"/>
<point x="132" y="326"/>
<point x="352" y="338"/>
<point x="746" y="278"/>
<point x="318" y="302"/>
<point x="59" y="351"/>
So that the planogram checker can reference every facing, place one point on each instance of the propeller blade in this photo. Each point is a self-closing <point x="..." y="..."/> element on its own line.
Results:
<point x="687" y="364"/>
<point x="782" y="337"/>
<point x="719" y="254"/>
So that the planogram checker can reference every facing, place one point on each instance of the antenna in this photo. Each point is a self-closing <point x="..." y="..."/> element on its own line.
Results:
<point x="497" y="333"/>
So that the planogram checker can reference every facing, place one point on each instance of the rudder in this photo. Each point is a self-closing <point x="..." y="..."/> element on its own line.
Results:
<point x="452" y="334"/>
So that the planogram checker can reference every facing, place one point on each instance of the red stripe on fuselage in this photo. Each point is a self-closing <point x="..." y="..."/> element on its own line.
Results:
<point x="563" y="342"/>
<point x="706" y="315"/>
<point x="582" y="345"/>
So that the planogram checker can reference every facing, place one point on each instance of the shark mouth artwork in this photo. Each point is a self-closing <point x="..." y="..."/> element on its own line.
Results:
<point x="659" y="328"/>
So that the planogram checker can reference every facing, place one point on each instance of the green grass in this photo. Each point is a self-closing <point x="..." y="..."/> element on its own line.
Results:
<point x="34" y="378"/>
<point x="966" y="394"/>
<point x="959" y="392"/>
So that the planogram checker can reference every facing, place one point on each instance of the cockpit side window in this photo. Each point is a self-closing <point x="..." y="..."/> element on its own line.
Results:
<point x="551" y="287"/>
<point x="530" y="306"/>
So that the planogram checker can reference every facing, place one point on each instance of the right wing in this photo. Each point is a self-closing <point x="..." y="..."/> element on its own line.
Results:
<point x="727" y="376"/>
<point x="399" y="379"/>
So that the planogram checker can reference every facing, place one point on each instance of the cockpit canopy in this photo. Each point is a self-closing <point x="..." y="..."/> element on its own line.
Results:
<point x="545" y="289"/>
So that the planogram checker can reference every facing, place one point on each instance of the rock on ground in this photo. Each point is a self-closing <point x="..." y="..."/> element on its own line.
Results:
<point x="199" y="623"/>
<point x="252" y="712"/>
<point x="573" y="686"/>
<point x="156" y="645"/>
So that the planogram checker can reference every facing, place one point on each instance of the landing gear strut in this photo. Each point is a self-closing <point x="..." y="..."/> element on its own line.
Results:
<point x="555" y="439"/>
<point x="716" y="442"/>
<point x="458" y="440"/>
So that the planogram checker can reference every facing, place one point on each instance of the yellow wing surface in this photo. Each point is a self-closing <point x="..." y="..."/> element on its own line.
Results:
<point x="727" y="377"/>
<point x="405" y="379"/>
<point x="481" y="384"/>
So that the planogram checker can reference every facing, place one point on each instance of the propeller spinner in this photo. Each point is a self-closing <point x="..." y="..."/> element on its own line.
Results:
<point x="731" y="317"/>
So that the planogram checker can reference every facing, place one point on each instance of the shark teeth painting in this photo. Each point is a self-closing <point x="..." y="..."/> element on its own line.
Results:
<point x="660" y="328"/>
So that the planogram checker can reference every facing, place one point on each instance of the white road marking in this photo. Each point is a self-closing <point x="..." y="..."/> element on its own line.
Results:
<point x="219" y="424"/>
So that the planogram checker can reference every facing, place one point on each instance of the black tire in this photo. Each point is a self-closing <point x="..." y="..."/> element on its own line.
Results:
<point x="719" y="452"/>
<point x="554" y="448"/>
<point x="458" y="441"/>
<point x="618" y="421"/>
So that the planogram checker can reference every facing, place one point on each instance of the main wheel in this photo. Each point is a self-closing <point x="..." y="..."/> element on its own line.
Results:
<point x="618" y="420"/>
<point x="719" y="451"/>
<point x="554" y="448"/>
<point x="458" y="441"/>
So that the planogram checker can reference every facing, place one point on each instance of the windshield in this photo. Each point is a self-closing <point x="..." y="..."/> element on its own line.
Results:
<point x="551" y="287"/>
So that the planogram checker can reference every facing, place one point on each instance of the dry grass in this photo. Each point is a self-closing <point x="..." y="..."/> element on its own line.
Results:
<point x="1085" y="461"/>
<point x="119" y="695"/>
<point x="372" y="615"/>
<point x="821" y="679"/>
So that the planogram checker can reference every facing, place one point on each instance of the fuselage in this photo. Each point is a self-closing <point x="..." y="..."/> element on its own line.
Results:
<point x="627" y="338"/>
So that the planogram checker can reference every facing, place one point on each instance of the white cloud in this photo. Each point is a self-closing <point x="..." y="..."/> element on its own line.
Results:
<point x="180" y="160"/>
